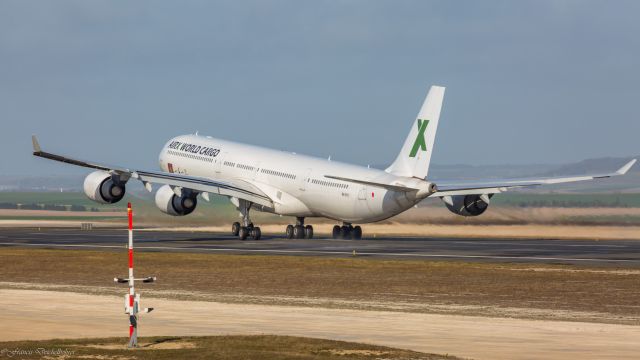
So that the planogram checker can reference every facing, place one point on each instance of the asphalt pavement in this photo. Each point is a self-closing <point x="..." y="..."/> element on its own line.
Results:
<point x="619" y="253"/>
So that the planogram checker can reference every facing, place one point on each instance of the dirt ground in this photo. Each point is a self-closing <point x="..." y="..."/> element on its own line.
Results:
<point x="509" y="215"/>
<point x="537" y="291"/>
<point x="587" y="232"/>
<point x="41" y="213"/>
<point x="459" y="231"/>
<point x="470" y="310"/>
<point x="30" y="314"/>
<point x="221" y="347"/>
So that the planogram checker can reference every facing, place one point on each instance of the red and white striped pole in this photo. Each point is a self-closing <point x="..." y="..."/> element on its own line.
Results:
<point x="132" y="293"/>
<point x="132" y="300"/>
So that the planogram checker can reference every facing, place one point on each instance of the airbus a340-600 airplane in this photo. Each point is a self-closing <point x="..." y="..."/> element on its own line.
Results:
<point x="301" y="186"/>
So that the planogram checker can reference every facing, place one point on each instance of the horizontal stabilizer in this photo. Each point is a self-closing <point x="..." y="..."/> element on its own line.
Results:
<point x="371" y="183"/>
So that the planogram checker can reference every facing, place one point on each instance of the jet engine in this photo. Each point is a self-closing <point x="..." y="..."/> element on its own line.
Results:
<point x="170" y="203"/>
<point x="467" y="205"/>
<point x="103" y="187"/>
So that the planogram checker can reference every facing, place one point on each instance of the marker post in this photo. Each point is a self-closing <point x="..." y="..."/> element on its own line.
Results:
<point x="132" y="300"/>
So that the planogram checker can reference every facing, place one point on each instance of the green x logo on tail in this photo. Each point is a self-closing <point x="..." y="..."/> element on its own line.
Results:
<point x="419" y="143"/>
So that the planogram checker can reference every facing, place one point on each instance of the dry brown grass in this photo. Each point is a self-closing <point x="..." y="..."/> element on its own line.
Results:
<point x="498" y="222"/>
<point x="210" y="347"/>
<point x="507" y="215"/>
<point x="536" y="232"/>
<point x="496" y="215"/>
<point x="469" y="288"/>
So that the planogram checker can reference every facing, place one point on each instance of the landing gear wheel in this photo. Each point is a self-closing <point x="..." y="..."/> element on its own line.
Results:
<point x="357" y="233"/>
<point x="235" y="228"/>
<point x="256" y="233"/>
<point x="345" y="232"/>
<point x="298" y="232"/>
<point x="250" y="226"/>
<point x="243" y="233"/>
<point x="336" y="232"/>
<point x="308" y="232"/>
<point x="289" y="232"/>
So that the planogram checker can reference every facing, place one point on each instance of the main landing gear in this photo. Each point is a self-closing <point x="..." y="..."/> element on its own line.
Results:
<point x="246" y="229"/>
<point x="347" y="231"/>
<point x="299" y="231"/>
<point x="244" y="232"/>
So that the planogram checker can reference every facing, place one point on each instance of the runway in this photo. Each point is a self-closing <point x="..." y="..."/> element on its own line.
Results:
<point x="617" y="253"/>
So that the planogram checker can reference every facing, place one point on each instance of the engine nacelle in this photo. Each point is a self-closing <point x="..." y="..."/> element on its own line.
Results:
<point x="170" y="203"/>
<point x="467" y="205"/>
<point x="103" y="187"/>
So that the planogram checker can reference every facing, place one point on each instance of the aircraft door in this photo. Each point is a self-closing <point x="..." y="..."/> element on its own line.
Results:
<point x="256" y="170"/>
<point x="363" y="205"/>
<point x="305" y="179"/>
<point x="218" y="164"/>
<point x="362" y="193"/>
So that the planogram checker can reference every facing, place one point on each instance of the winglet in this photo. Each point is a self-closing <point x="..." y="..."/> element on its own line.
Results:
<point x="623" y="170"/>
<point x="36" y="145"/>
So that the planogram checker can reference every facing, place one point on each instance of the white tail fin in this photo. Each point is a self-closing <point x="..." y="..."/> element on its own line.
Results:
<point x="413" y="160"/>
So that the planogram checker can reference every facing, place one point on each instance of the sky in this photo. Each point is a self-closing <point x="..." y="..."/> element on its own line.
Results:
<point x="111" y="81"/>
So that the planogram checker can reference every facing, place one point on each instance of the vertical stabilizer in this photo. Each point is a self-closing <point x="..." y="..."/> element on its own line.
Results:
<point x="413" y="160"/>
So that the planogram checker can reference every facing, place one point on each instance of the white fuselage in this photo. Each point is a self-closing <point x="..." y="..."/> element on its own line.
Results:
<point x="296" y="183"/>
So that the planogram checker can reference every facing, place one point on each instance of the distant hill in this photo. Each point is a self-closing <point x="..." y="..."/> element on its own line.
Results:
<point x="470" y="172"/>
<point x="601" y="165"/>
<point x="41" y="183"/>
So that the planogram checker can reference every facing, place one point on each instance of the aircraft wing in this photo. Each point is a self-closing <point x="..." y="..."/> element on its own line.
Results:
<point x="233" y="188"/>
<point x="451" y="188"/>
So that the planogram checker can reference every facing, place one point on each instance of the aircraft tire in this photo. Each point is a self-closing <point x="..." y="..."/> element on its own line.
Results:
<point x="357" y="233"/>
<point x="336" y="232"/>
<point x="235" y="228"/>
<point x="289" y="232"/>
<point x="243" y="233"/>
<point x="298" y="232"/>
<point x="256" y="234"/>
<point x="308" y="232"/>
<point x="345" y="232"/>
